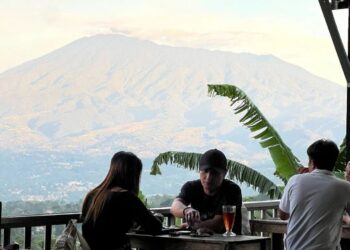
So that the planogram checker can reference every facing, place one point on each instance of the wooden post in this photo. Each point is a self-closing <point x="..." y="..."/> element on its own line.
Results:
<point x="28" y="238"/>
<point x="277" y="241"/>
<point x="344" y="59"/>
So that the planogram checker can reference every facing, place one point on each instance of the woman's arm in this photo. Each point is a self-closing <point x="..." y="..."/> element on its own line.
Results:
<point x="144" y="217"/>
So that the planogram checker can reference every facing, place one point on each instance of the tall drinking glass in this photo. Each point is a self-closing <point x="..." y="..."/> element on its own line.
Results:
<point x="229" y="215"/>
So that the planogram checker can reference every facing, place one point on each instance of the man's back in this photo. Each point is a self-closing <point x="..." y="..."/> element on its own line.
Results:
<point x="315" y="203"/>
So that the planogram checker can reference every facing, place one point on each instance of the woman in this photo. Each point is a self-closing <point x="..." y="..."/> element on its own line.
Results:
<point x="110" y="209"/>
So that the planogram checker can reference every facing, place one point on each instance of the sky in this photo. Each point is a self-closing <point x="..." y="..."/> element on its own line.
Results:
<point x="294" y="31"/>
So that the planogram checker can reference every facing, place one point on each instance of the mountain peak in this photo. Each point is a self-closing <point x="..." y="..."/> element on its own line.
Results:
<point x="98" y="90"/>
<point x="106" y="93"/>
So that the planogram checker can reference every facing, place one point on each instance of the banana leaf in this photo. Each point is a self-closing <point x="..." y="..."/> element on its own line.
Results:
<point x="285" y="161"/>
<point x="236" y="171"/>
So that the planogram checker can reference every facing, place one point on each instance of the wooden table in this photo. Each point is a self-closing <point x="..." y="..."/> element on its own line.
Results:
<point x="185" y="242"/>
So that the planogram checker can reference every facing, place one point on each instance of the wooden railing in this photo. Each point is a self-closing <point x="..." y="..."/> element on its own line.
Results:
<point x="257" y="210"/>
<point x="28" y="222"/>
<point x="262" y="209"/>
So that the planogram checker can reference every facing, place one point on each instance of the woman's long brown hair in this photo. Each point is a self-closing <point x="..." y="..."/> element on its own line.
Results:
<point x="124" y="173"/>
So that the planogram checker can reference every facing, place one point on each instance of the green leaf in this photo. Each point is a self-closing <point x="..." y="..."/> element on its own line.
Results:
<point x="263" y="135"/>
<point x="269" y="142"/>
<point x="187" y="160"/>
<point x="339" y="174"/>
<point x="236" y="171"/>
<point x="257" y="126"/>
<point x="285" y="161"/>
<point x="341" y="161"/>
<point x="252" y="120"/>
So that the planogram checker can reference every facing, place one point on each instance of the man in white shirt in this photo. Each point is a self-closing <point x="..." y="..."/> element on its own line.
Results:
<point x="314" y="202"/>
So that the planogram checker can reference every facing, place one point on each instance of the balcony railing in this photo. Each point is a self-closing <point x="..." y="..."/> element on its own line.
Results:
<point x="257" y="210"/>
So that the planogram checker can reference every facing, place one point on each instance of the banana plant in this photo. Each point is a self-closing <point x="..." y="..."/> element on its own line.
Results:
<point x="236" y="170"/>
<point x="341" y="161"/>
<point x="285" y="161"/>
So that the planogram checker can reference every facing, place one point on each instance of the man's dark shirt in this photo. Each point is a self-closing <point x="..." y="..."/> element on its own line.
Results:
<point x="229" y="194"/>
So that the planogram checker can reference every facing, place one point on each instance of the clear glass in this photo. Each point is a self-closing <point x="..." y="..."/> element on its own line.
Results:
<point x="229" y="215"/>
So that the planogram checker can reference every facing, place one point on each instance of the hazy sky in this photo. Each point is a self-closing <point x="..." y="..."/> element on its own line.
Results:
<point x="294" y="31"/>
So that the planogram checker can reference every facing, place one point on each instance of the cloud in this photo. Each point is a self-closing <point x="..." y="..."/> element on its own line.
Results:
<point x="232" y="150"/>
<point x="296" y="38"/>
<point x="291" y="41"/>
<point x="188" y="136"/>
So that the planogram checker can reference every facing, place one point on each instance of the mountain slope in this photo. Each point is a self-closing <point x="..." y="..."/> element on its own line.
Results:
<point x="105" y="93"/>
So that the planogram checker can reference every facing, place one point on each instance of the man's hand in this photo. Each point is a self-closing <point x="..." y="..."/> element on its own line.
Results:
<point x="283" y="215"/>
<point x="192" y="216"/>
<point x="303" y="170"/>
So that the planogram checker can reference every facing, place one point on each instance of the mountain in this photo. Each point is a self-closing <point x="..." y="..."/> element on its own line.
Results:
<point x="105" y="93"/>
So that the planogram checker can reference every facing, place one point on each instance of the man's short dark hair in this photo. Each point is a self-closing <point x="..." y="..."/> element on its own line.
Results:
<point x="323" y="153"/>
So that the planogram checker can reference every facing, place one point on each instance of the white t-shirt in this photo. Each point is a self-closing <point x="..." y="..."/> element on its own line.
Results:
<point x="315" y="203"/>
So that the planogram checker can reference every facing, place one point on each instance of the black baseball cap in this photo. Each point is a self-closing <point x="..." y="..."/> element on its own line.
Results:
<point x="213" y="159"/>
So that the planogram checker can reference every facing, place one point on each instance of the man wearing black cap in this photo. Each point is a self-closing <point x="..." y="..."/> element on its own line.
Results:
<point x="207" y="195"/>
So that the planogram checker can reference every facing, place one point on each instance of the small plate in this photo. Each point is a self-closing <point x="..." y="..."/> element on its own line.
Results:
<point x="184" y="232"/>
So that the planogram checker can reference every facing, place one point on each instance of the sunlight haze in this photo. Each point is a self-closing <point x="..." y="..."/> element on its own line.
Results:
<point x="293" y="31"/>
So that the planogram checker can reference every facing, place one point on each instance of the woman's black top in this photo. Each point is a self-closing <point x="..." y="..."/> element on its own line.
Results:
<point x="119" y="213"/>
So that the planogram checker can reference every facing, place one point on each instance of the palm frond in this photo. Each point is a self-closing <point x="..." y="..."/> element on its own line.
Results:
<point x="236" y="170"/>
<point x="285" y="161"/>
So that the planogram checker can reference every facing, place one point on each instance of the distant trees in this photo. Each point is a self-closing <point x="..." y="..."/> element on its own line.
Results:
<point x="17" y="208"/>
<point x="163" y="200"/>
<point x="22" y="208"/>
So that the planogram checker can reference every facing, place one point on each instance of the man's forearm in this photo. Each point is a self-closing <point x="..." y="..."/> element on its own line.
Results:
<point x="177" y="208"/>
